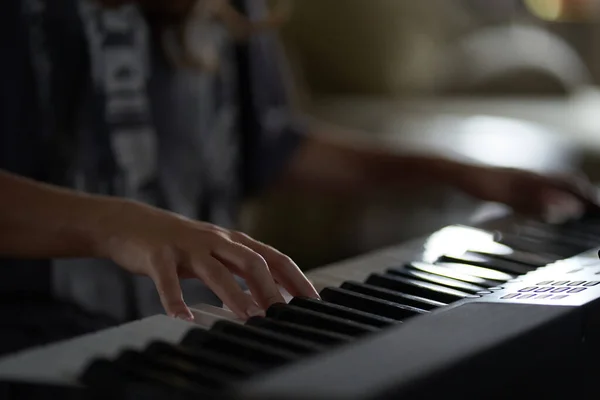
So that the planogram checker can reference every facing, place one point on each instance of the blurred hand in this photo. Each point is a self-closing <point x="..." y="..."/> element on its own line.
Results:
<point x="167" y="247"/>
<point x="553" y="198"/>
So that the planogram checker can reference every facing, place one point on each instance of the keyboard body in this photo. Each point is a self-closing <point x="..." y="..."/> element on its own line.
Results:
<point x="535" y="333"/>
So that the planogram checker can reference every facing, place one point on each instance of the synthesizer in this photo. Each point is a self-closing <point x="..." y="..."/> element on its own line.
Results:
<point x="508" y="308"/>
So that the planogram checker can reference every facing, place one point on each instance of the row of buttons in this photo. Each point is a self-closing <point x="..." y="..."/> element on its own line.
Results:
<point x="569" y="283"/>
<point x="521" y="296"/>
<point x="550" y="289"/>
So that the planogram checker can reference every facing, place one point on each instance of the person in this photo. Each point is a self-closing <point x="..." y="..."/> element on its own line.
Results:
<point x="148" y="106"/>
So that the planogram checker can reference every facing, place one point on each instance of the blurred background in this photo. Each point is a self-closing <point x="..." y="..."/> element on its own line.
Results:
<point x="505" y="82"/>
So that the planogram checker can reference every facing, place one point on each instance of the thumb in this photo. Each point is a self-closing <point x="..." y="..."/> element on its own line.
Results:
<point x="167" y="284"/>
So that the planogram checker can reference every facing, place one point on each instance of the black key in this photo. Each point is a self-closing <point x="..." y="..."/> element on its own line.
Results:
<point x="104" y="373"/>
<point x="343" y="312"/>
<point x="574" y="241"/>
<point x="311" y="334"/>
<point x="202" y="358"/>
<point x="393" y="296"/>
<point x="417" y="288"/>
<point x="438" y="280"/>
<point x="372" y="305"/>
<point x="533" y="245"/>
<point x="290" y="313"/>
<point x="488" y="262"/>
<point x="270" y="338"/>
<point x="205" y="377"/>
<point x="450" y="273"/>
<point x="564" y="233"/>
<point x="242" y="348"/>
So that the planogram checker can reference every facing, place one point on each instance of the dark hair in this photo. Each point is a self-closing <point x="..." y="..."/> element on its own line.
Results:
<point x="179" y="15"/>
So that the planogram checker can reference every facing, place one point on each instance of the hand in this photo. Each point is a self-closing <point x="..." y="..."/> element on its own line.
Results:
<point x="554" y="198"/>
<point x="167" y="247"/>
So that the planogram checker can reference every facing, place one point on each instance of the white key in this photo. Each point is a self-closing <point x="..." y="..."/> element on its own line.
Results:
<point x="206" y="315"/>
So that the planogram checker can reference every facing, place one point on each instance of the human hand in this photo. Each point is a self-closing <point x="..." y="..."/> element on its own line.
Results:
<point x="554" y="198"/>
<point x="167" y="247"/>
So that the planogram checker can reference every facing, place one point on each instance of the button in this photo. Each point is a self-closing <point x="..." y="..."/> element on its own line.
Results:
<point x="577" y="290"/>
<point x="497" y="288"/>
<point x="560" y="283"/>
<point x="543" y="296"/>
<point x="560" y="296"/>
<point x="575" y="270"/>
<point x="592" y="283"/>
<point x="544" y="283"/>
<point x="543" y="289"/>
<point x="560" y="290"/>
<point x="528" y="289"/>
<point x="527" y="296"/>
<point x="576" y="283"/>
<point x="484" y="292"/>
<point x="510" y="296"/>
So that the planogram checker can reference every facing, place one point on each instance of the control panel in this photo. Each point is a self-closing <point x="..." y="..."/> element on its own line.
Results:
<point x="571" y="282"/>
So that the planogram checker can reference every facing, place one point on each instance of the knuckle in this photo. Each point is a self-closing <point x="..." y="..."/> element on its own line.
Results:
<point x="211" y="273"/>
<point x="237" y="235"/>
<point x="282" y="259"/>
<point x="254" y="261"/>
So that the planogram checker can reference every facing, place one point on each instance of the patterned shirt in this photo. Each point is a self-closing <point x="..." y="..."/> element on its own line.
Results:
<point x="195" y="142"/>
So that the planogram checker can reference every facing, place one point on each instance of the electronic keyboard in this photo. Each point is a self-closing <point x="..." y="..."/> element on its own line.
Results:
<point x="506" y="309"/>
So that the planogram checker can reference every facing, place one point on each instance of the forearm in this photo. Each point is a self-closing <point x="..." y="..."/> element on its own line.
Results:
<point x="43" y="221"/>
<point x="332" y="163"/>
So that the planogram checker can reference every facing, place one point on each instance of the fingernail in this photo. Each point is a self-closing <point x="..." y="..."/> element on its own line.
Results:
<point x="255" y="311"/>
<point x="189" y="317"/>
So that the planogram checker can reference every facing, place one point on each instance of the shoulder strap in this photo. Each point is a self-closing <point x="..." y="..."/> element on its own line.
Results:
<point x="248" y="123"/>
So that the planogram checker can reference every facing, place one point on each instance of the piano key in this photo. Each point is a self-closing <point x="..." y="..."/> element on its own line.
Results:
<point x="533" y="260"/>
<point x="103" y="373"/>
<point x="202" y="357"/>
<point x="343" y="312"/>
<point x="373" y="305"/>
<point x="311" y="334"/>
<point x="290" y="313"/>
<point x="393" y="296"/>
<point x="206" y="315"/>
<point x="532" y="245"/>
<point x="450" y="273"/>
<point x="271" y="338"/>
<point x="235" y="347"/>
<point x="481" y="272"/>
<point x="438" y="280"/>
<point x="573" y="242"/>
<point x="560" y="232"/>
<point x="206" y="377"/>
<point x="417" y="288"/>
<point x="488" y="262"/>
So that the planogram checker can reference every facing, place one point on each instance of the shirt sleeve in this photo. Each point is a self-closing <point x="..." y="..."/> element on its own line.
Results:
<point x="272" y="131"/>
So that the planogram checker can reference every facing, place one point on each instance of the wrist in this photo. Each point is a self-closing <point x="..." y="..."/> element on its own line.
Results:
<point x="105" y="221"/>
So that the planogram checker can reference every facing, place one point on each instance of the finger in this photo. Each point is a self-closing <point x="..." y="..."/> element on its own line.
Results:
<point x="216" y="276"/>
<point x="253" y="268"/>
<point x="283" y="268"/>
<point x="167" y="284"/>
<point x="560" y="206"/>
<point x="580" y="186"/>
